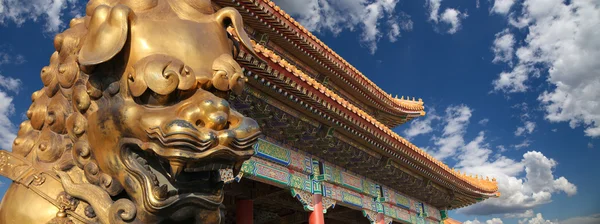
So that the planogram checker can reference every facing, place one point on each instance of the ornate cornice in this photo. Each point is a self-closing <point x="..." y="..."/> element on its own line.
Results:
<point x="270" y="16"/>
<point x="308" y="88"/>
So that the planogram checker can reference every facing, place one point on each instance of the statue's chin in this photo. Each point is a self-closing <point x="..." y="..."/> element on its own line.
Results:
<point x="194" y="187"/>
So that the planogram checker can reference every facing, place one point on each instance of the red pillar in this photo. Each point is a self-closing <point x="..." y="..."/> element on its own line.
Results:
<point x="380" y="219"/>
<point x="244" y="212"/>
<point x="316" y="216"/>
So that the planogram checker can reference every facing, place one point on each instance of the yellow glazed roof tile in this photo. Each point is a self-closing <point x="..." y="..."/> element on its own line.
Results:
<point x="411" y="105"/>
<point x="485" y="185"/>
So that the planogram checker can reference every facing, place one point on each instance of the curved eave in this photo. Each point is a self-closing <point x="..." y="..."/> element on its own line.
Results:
<point x="399" y="147"/>
<point x="265" y="14"/>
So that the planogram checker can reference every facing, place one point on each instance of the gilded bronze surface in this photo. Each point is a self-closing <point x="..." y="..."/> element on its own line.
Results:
<point x="129" y="126"/>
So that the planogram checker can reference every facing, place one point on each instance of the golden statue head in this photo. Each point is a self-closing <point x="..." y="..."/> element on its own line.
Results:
<point x="131" y="105"/>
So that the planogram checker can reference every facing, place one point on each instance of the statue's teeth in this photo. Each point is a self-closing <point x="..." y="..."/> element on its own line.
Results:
<point x="160" y="192"/>
<point x="154" y="179"/>
<point x="226" y="175"/>
<point x="176" y="168"/>
<point x="141" y="160"/>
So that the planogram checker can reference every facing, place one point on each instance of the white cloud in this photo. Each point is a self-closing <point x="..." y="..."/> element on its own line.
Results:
<point x="519" y="193"/>
<point x="527" y="128"/>
<point x="513" y="81"/>
<point x="529" y="218"/>
<point x="590" y="145"/>
<point x="526" y="214"/>
<point x="525" y="183"/>
<point x="453" y="17"/>
<point x="592" y="219"/>
<point x="503" y="47"/>
<point x="434" y="8"/>
<point x="562" y="184"/>
<point x="394" y="32"/>
<point x="490" y="221"/>
<point x="456" y="121"/>
<point x="502" y="6"/>
<point x="483" y="122"/>
<point x="563" y="44"/>
<point x="19" y="12"/>
<point x="7" y="129"/>
<point x="10" y="83"/>
<point x="523" y="144"/>
<point x="450" y="16"/>
<point x="338" y="15"/>
<point x="502" y="148"/>
<point x="7" y="58"/>
<point x="538" y="219"/>
<point x="421" y="126"/>
<point x="397" y="25"/>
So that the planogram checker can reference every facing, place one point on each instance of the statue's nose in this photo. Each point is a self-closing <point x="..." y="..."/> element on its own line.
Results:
<point x="209" y="113"/>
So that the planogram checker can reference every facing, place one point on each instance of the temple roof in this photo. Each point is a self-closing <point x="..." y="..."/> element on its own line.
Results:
<point x="268" y="17"/>
<point x="476" y="186"/>
<point x="451" y="221"/>
<point x="484" y="185"/>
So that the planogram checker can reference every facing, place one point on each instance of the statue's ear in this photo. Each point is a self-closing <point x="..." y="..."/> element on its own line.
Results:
<point x="107" y="33"/>
<point x="229" y="16"/>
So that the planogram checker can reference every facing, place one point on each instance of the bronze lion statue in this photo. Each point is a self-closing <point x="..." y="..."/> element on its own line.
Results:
<point x="131" y="125"/>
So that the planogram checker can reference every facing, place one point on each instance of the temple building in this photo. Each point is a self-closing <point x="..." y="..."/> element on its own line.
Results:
<point x="328" y="154"/>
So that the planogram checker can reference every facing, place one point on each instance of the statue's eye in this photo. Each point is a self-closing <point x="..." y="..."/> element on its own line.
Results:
<point x="151" y="98"/>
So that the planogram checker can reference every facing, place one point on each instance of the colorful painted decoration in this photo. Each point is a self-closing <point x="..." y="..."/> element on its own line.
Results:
<point x="293" y="169"/>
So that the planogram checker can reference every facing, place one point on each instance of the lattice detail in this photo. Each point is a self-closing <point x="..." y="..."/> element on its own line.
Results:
<point x="327" y="203"/>
<point x="370" y="215"/>
<point x="238" y="178"/>
<point x="226" y="175"/>
<point x="306" y="198"/>
<point x="387" y="220"/>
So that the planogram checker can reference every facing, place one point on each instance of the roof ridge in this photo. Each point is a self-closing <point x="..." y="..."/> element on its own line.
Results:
<point x="329" y="50"/>
<point x="485" y="185"/>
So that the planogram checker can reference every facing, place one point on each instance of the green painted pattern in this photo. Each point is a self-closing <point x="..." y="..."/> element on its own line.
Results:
<point x="273" y="152"/>
<point x="299" y="182"/>
<point x="333" y="173"/>
<point x="402" y="200"/>
<point x="275" y="173"/>
<point x="248" y="167"/>
<point x="389" y="211"/>
<point x="370" y="188"/>
<point x="413" y="219"/>
<point x="351" y="199"/>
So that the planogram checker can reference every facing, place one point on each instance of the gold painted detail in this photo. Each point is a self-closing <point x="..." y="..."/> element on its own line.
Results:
<point x="305" y="197"/>
<point x="327" y="203"/>
<point x="133" y="105"/>
<point x="14" y="167"/>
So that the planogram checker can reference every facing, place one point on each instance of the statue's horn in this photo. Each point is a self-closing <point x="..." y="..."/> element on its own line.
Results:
<point x="107" y="34"/>
<point x="229" y="16"/>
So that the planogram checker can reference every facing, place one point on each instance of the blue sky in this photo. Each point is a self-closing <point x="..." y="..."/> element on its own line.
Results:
<point x="510" y="86"/>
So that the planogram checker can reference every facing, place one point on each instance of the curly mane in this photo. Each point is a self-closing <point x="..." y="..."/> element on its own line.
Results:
<point x="57" y="116"/>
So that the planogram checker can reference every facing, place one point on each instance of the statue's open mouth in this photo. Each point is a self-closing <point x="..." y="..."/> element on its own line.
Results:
<point x="176" y="176"/>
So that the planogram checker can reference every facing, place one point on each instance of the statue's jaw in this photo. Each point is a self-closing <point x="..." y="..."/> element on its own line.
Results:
<point x="176" y="181"/>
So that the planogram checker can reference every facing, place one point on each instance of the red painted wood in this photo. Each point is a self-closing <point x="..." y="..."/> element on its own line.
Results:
<point x="380" y="219"/>
<point x="244" y="212"/>
<point x="316" y="216"/>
